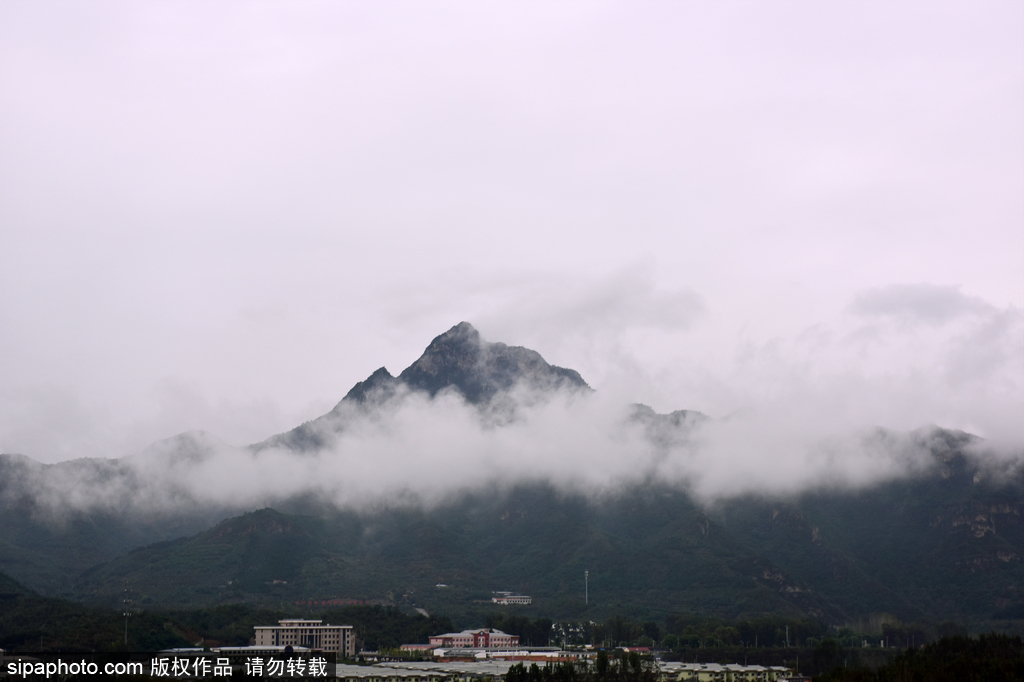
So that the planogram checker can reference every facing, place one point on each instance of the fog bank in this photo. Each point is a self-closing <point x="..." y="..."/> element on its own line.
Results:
<point x="414" y="449"/>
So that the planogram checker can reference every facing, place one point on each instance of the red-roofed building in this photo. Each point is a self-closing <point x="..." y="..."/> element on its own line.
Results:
<point x="481" y="638"/>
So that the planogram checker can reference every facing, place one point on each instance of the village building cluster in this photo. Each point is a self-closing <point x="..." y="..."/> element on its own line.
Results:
<point x="477" y="655"/>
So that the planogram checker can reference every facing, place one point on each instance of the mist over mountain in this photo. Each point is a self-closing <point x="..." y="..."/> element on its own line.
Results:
<point x="468" y="413"/>
<point x="458" y="361"/>
<point x="944" y="545"/>
<point x="415" y="479"/>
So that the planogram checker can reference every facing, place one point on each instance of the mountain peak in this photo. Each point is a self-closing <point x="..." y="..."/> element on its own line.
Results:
<point x="380" y="382"/>
<point x="460" y="344"/>
<point x="463" y="331"/>
<point x="458" y="360"/>
<point x="462" y="360"/>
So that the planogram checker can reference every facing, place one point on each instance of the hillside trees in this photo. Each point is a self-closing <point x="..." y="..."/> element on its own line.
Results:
<point x="386" y="627"/>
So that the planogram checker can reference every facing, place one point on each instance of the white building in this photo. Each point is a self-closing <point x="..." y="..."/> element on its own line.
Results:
<point x="512" y="599"/>
<point x="311" y="634"/>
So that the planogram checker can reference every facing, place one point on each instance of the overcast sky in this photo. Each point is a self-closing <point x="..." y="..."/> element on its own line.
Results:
<point x="220" y="216"/>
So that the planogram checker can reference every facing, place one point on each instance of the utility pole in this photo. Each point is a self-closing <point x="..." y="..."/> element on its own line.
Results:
<point x="127" y="612"/>
<point x="586" y="588"/>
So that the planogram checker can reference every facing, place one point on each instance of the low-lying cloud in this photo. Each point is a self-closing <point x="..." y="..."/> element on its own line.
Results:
<point x="413" y="448"/>
<point x="929" y="303"/>
<point x="844" y="404"/>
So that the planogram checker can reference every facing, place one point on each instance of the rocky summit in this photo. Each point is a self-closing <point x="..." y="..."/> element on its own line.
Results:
<point x="460" y="359"/>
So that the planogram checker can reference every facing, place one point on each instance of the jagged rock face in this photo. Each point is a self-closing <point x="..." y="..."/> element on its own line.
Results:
<point x="380" y="384"/>
<point x="459" y="358"/>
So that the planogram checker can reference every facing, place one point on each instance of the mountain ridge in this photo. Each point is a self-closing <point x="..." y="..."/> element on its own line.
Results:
<point x="827" y="552"/>
<point x="649" y="549"/>
<point x="459" y="360"/>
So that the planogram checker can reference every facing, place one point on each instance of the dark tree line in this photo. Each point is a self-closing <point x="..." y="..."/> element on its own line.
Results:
<point x="988" y="658"/>
<point x="531" y="632"/>
<point x="385" y="627"/>
<point x="696" y="631"/>
<point x="30" y="623"/>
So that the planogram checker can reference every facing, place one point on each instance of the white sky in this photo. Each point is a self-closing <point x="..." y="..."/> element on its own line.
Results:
<point x="220" y="216"/>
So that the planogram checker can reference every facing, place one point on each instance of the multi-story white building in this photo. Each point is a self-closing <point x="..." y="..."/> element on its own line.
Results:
<point x="312" y="634"/>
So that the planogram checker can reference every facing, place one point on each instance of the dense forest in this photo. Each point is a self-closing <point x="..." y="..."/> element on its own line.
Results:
<point x="988" y="658"/>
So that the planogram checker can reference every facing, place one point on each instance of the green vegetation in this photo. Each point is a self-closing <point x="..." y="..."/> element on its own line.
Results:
<point x="538" y="632"/>
<point x="32" y="623"/>
<point x="890" y="561"/>
<point x="379" y="627"/>
<point x="651" y="552"/>
<point x="989" y="658"/>
<point x="945" y="545"/>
